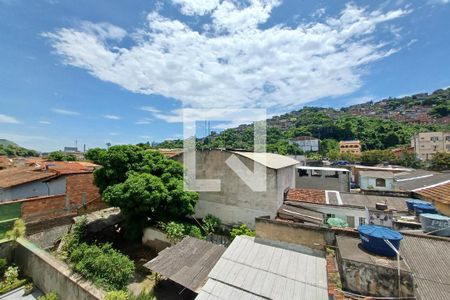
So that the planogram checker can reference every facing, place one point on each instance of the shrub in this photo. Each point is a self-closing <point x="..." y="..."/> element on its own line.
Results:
<point x="11" y="280"/>
<point x="211" y="224"/>
<point x="174" y="231"/>
<point x="194" y="231"/>
<point x="73" y="238"/>
<point x="241" y="230"/>
<point x="142" y="296"/>
<point x="117" y="295"/>
<point x="49" y="296"/>
<point x="103" y="265"/>
<point x="17" y="231"/>
<point x="3" y="264"/>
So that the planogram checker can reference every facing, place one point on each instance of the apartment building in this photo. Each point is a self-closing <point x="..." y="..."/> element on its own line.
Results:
<point x="306" y="143"/>
<point x="428" y="143"/>
<point x="353" y="147"/>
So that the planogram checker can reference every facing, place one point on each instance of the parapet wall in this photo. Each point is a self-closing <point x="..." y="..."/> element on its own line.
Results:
<point x="50" y="274"/>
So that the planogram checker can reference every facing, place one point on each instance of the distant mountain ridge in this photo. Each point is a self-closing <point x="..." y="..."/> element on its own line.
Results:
<point x="379" y="125"/>
<point x="6" y="143"/>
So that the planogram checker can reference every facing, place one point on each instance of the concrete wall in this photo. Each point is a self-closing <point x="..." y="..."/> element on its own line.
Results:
<point x="366" y="182"/>
<point x="324" y="182"/>
<point x="155" y="238"/>
<point x="306" y="236"/>
<point x="52" y="275"/>
<point x="236" y="202"/>
<point x="34" y="189"/>
<point x="368" y="279"/>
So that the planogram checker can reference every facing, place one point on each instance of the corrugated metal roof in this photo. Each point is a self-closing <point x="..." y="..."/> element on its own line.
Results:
<point x="300" y="214"/>
<point x="256" y="271"/>
<point x="419" y="179"/>
<point x="188" y="262"/>
<point x="270" y="160"/>
<point x="429" y="260"/>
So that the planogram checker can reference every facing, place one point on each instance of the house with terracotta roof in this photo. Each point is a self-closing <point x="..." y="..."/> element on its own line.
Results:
<point x="438" y="194"/>
<point x="47" y="190"/>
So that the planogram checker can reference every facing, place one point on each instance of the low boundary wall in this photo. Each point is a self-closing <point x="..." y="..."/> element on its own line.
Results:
<point x="50" y="274"/>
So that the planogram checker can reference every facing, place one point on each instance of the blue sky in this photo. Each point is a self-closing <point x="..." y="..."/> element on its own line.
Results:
<point x="120" y="71"/>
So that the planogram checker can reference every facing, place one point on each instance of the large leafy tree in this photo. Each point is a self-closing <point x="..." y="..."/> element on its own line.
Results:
<point x="144" y="184"/>
<point x="440" y="161"/>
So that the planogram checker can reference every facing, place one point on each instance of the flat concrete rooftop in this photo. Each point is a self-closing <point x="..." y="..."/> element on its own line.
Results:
<point x="351" y="249"/>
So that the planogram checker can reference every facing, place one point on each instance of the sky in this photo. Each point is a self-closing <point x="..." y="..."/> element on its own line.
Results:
<point x="112" y="71"/>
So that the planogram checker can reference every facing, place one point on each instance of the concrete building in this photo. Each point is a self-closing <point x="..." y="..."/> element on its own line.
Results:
<point x="438" y="194"/>
<point x="323" y="178"/>
<point x="355" y="209"/>
<point x="376" y="180"/>
<point x="236" y="201"/>
<point x="306" y="143"/>
<point x="352" y="147"/>
<point x="428" y="143"/>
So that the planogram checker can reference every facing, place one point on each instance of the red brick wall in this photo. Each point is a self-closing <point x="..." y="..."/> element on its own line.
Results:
<point x="45" y="208"/>
<point x="79" y="184"/>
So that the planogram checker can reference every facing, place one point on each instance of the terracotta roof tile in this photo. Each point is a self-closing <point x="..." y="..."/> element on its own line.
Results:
<point x="438" y="193"/>
<point x="20" y="175"/>
<point x="306" y="195"/>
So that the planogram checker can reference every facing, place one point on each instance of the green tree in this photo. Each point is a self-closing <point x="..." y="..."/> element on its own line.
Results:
<point x="144" y="184"/>
<point x="61" y="156"/>
<point x="94" y="154"/>
<point x="440" y="161"/>
<point x="327" y="145"/>
<point x="372" y="157"/>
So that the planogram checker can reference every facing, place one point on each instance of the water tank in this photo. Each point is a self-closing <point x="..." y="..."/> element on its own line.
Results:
<point x="437" y="224"/>
<point x="372" y="238"/>
<point x="410" y="203"/>
<point x="424" y="209"/>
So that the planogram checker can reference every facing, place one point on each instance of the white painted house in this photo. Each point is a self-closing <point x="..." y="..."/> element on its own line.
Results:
<point x="376" y="180"/>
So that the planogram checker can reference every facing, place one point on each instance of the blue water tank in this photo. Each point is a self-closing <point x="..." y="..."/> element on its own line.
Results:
<point x="372" y="238"/>
<point x="437" y="224"/>
<point x="424" y="209"/>
<point x="410" y="203"/>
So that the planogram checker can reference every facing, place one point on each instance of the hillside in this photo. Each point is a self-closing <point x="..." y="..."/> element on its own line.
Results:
<point x="379" y="125"/>
<point x="6" y="143"/>
<point x="11" y="149"/>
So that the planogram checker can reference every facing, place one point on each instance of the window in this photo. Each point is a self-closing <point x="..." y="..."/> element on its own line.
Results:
<point x="316" y="173"/>
<point x="447" y="138"/>
<point x="362" y="221"/>
<point x="331" y="174"/>
<point x="302" y="172"/>
<point x="328" y="216"/>
<point x="381" y="182"/>
<point x="434" y="138"/>
<point x="351" y="221"/>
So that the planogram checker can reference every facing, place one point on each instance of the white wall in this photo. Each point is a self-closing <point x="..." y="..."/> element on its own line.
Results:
<point x="366" y="182"/>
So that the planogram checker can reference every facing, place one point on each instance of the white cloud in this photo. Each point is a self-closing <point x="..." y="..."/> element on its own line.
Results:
<point x="45" y="122"/>
<point x="196" y="7"/>
<point x="145" y="137"/>
<point x="235" y="63"/>
<point x="149" y="109"/>
<point x="143" y="121"/>
<point x="438" y="1"/>
<point x="112" y="117"/>
<point x="8" y="119"/>
<point x="319" y="12"/>
<point x="114" y="133"/>
<point x="65" y="112"/>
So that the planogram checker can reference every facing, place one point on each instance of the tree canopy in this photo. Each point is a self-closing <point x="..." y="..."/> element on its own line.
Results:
<point x="143" y="183"/>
